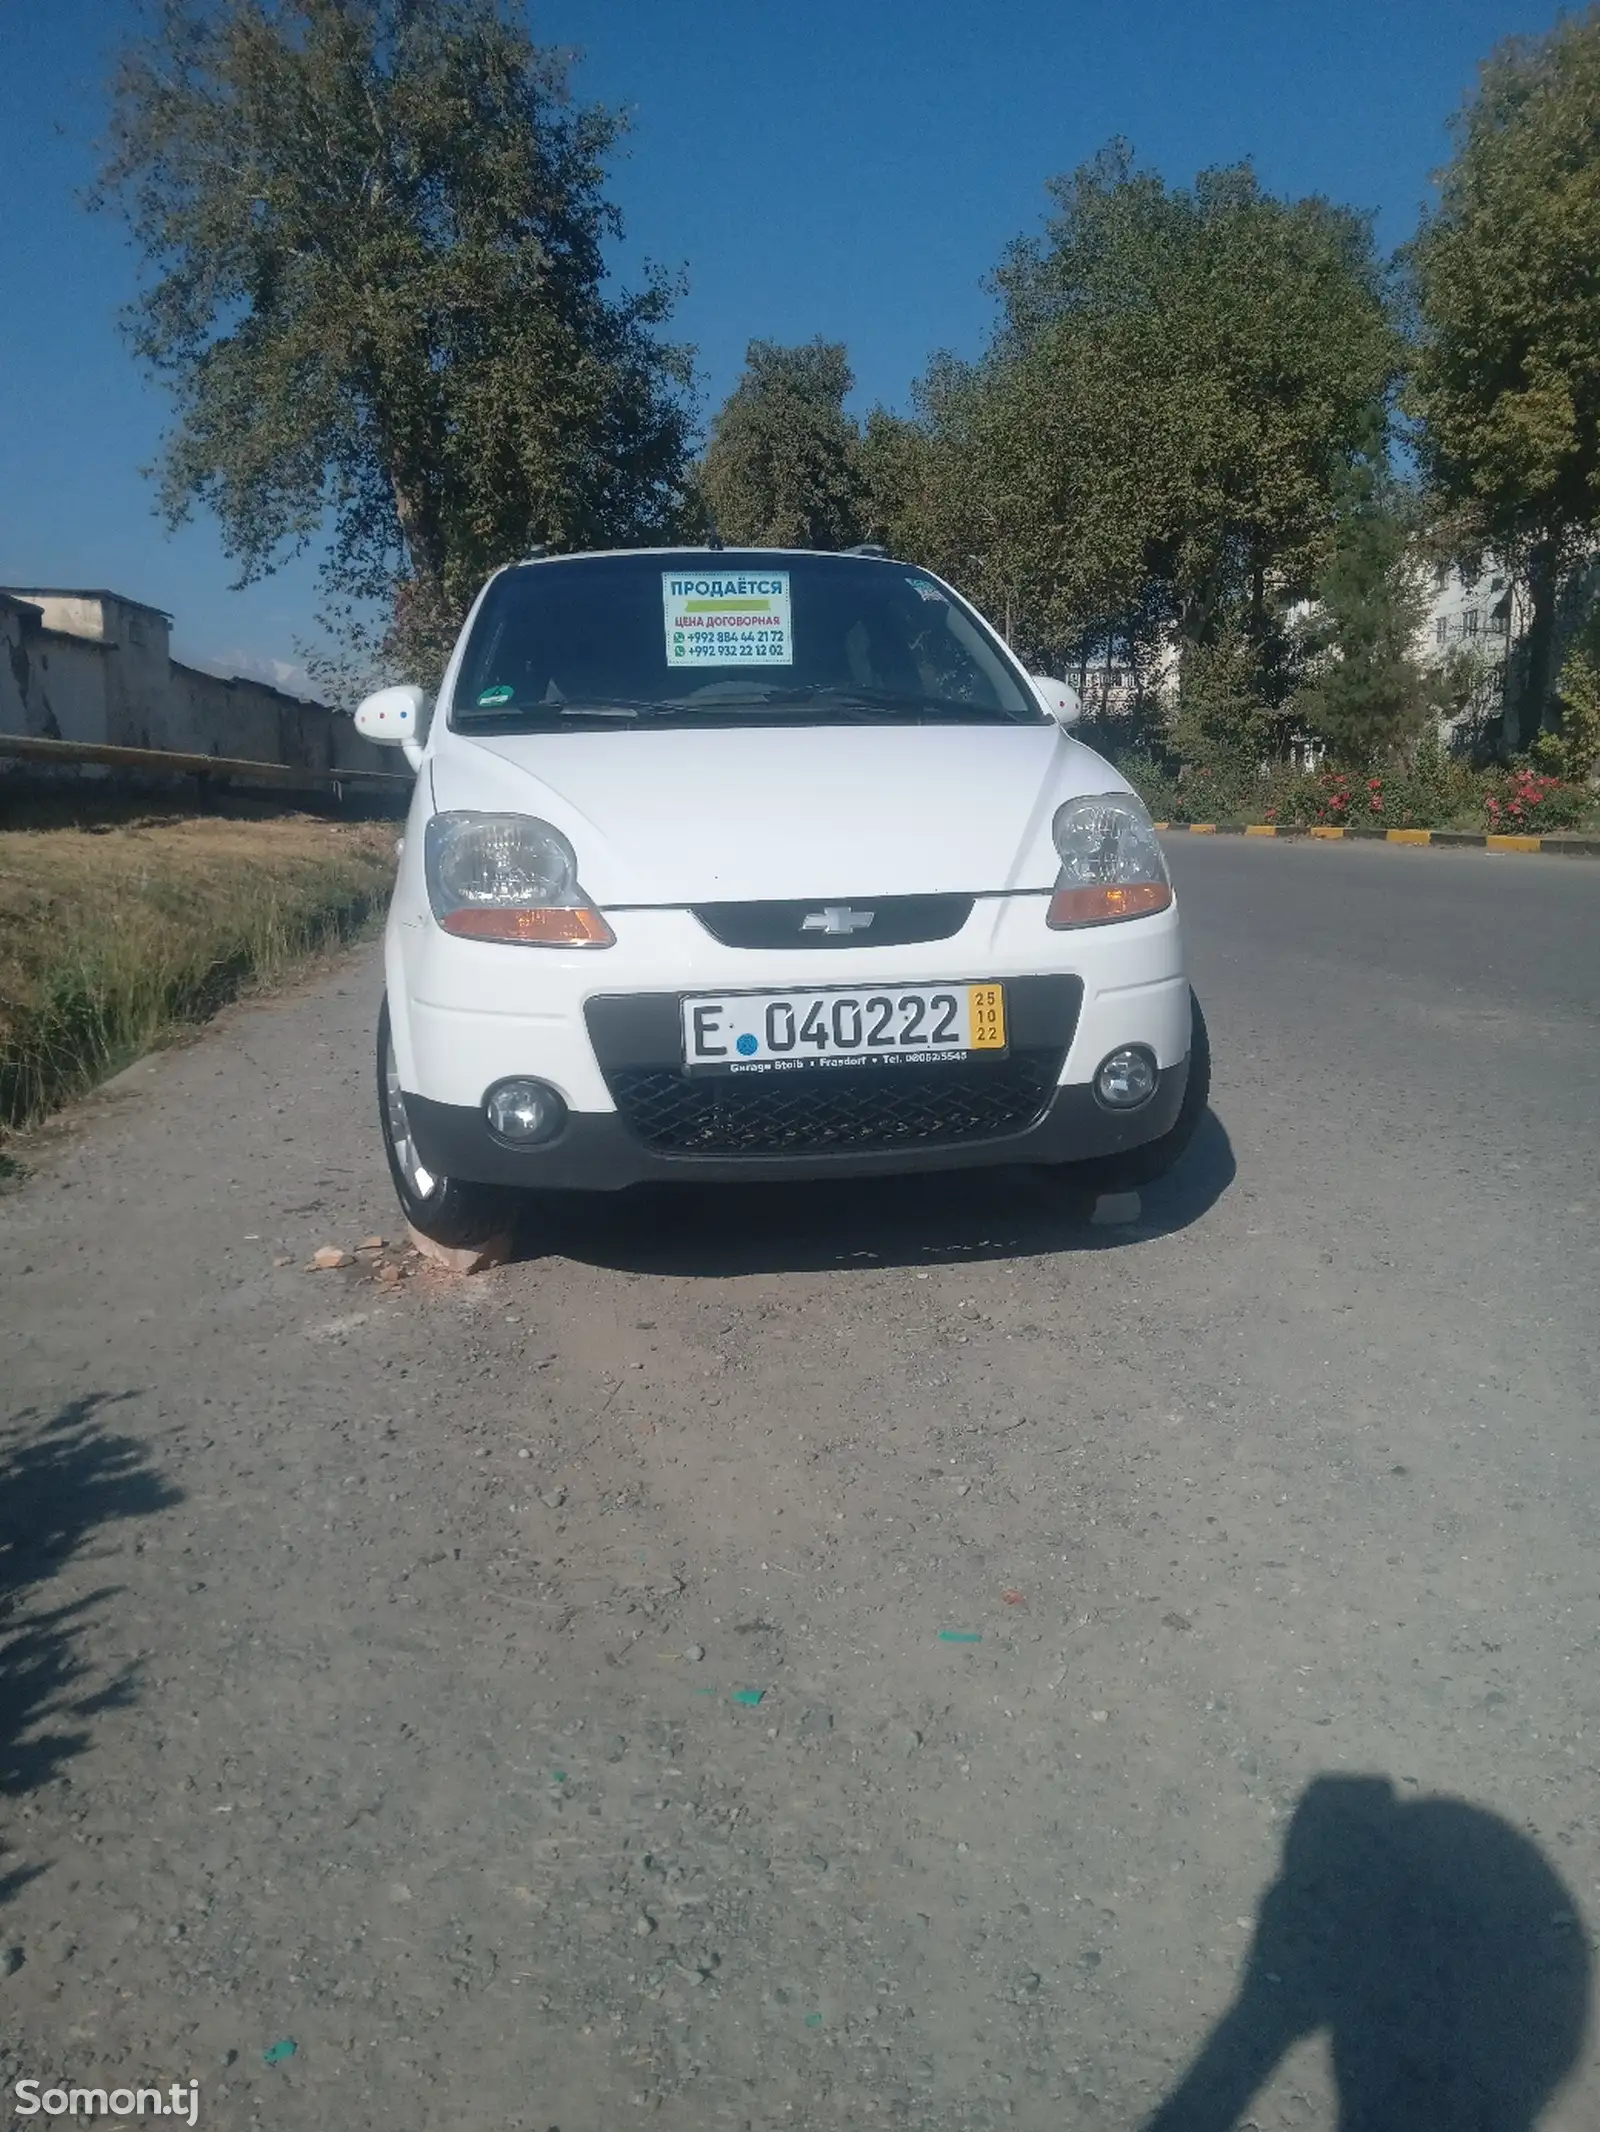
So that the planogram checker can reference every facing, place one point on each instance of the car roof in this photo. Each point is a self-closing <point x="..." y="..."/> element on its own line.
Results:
<point x="694" y="547"/>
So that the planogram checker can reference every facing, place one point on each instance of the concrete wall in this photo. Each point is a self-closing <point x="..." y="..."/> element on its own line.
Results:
<point x="92" y="666"/>
<point x="52" y="686"/>
<point x="78" y="614"/>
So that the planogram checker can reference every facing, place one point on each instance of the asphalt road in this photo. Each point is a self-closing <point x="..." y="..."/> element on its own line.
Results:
<point x="1145" y="1674"/>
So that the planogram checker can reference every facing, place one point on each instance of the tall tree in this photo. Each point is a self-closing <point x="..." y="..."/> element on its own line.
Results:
<point x="1180" y="378"/>
<point x="372" y="234"/>
<point x="782" y="467"/>
<point x="1366" y="692"/>
<point x="1507" y="274"/>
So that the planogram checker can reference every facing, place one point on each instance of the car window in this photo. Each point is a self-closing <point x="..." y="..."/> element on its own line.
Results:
<point x="733" y="637"/>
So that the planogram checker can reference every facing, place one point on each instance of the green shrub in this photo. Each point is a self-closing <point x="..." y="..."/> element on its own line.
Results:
<point x="1527" y="800"/>
<point x="1433" y="791"/>
<point x="1155" y="784"/>
<point x="1574" y="752"/>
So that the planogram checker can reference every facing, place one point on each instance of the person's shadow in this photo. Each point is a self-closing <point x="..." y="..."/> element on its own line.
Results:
<point x="1436" y="1946"/>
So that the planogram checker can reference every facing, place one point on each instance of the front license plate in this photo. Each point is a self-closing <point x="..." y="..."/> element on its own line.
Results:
<point x="889" y="1025"/>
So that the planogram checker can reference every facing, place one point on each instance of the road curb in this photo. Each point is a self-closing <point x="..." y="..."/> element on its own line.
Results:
<point x="1568" y="847"/>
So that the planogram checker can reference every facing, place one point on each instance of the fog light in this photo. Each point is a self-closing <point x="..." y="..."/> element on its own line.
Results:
<point x="524" y="1112"/>
<point x="1126" y="1079"/>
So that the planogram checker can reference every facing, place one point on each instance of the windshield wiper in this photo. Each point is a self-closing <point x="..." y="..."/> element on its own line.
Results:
<point x="625" y="706"/>
<point x="884" y="699"/>
<point x="585" y="707"/>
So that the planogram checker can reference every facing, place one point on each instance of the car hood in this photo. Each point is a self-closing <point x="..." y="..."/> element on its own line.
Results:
<point x="756" y="812"/>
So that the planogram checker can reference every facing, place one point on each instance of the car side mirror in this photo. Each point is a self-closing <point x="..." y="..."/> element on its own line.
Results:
<point x="394" y="719"/>
<point x="1059" y="698"/>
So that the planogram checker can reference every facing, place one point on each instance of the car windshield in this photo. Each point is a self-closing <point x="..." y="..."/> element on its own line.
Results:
<point x="735" y="637"/>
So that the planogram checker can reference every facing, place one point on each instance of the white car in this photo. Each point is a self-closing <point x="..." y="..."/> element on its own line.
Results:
<point x="729" y="865"/>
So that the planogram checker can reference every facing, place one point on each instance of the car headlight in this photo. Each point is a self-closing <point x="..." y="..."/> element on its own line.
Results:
<point x="1111" y="862"/>
<point x="509" y="877"/>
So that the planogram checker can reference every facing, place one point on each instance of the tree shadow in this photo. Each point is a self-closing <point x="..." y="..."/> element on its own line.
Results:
<point x="944" y="1218"/>
<point x="60" y="1479"/>
<point x="1438" y="1948"/>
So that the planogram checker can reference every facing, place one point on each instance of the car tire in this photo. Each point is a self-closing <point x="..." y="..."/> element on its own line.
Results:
<point x="448" y="1210"/>
<point x="1137" y="1166"/>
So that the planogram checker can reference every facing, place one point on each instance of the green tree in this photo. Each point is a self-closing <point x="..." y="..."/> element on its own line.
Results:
<point x="1224" y="725"/>
<point x="1507" y="386"/>
<point x="895" y="473"/>
<point x="1180" y="379"/>
<point x="783" y="464"/>
<point x="932" y="489"/>
<point x="1574" y="750"/>
<point x="1366" y="692"/>
<point x="372" y="237"/>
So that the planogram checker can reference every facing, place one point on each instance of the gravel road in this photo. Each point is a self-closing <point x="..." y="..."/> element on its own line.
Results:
<point x="819" y="1657"/>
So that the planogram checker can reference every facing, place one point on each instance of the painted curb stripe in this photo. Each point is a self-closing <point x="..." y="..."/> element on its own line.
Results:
<point x="1462" y="839"/>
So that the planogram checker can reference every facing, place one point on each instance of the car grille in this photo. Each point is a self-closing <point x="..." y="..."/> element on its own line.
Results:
<point x="896" y="921"/>
<point x="835" y="1110"/>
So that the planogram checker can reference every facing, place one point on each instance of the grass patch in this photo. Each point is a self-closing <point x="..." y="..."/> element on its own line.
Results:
<point x="114" y="936"/>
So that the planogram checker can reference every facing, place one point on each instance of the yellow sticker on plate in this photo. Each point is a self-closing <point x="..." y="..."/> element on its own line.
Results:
<point x="986" y="1008"/>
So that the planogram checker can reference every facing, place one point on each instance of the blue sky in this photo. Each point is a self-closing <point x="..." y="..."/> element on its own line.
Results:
<point x="845" y="167"/>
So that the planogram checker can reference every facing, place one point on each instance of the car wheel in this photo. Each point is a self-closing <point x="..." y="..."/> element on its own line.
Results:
<point x="449" y="1210"/>
<point x="1136" y="1166"/>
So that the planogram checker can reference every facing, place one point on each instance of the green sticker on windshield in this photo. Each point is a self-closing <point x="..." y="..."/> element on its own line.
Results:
<point x="503" y="694"/>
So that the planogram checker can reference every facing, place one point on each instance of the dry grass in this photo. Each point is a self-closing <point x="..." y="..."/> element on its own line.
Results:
<point x="111" y="937"/>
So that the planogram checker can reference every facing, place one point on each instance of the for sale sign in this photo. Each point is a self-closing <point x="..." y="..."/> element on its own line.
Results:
<point x="727" y="618"/>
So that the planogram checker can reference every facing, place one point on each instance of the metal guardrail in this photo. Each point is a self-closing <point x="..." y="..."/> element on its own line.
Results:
<point x="26" y="748"/>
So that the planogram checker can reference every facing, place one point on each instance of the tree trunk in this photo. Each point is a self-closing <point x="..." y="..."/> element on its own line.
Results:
<point x="1531" y="707"/>
<point x="424" y="625"/>
<point x="419" y="528"/>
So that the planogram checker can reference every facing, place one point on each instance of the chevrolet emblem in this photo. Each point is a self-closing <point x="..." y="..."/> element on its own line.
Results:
<point x="836" y="918"/>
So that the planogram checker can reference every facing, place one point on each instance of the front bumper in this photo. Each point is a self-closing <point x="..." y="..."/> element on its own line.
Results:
<point x="598" y="1153"/>
<point x="857" y="1122"/>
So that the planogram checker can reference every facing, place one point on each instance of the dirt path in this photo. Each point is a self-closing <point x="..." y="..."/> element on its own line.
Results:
<point x="807" y="1658"/>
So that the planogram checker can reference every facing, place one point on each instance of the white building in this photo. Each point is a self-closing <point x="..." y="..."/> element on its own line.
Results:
<point x="1475" y="619"/>
<point x="1484" y="611"/>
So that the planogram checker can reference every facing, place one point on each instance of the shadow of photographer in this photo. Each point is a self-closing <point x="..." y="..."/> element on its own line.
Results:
<point x="1437" y="1947"/>
<point x="64" y="1478"/>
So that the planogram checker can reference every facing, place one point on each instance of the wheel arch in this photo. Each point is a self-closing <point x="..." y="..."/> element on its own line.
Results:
<point x="399" y="1001"/>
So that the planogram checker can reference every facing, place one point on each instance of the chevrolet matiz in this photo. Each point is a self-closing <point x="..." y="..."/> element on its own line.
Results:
<point x="740" y="864"/>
